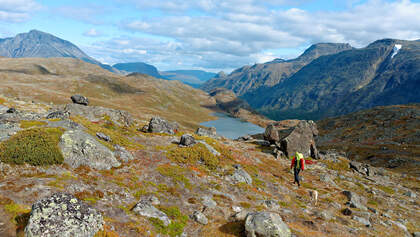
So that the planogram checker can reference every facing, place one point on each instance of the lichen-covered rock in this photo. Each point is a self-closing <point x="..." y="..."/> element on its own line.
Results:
<point x="295" y="139"/>
<point x="63" y="215"/>
<point x="7" y="130"/>
<point x="95" y="113"/>
<point x="266" y="224"/>
<point x="145" y="208"/>
<point x="240" y="176"/>
<point x="200" y="218"/>
<point x="159" y="125"/>
<point x="354" y="200"/>
<point x="187" y="140"/>
<point x="122" y="154"/>
<point x="208" y="202"/>
<point x="103" y="136"/>
<point x="79" y="99"/>
<point x="58" y="115"/>
<point x="80" y="148"/>
<point x="207" y="132"/>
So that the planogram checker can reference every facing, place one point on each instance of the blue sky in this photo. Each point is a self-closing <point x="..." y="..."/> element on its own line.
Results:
<point x="209" y="34"/>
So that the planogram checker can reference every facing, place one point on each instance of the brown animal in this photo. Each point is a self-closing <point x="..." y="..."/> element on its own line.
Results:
<point x="314" y="196"/>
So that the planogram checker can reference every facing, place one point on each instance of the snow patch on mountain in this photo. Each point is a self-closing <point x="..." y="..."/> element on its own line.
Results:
<point x="396" y="49"/>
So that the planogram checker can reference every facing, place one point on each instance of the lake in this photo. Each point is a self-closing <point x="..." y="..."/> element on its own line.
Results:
<point x="232" y="127"/>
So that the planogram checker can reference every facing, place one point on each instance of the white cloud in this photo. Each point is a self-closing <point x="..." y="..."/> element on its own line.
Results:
<point x="17" y="10"/>
<point x="93" y="33"/>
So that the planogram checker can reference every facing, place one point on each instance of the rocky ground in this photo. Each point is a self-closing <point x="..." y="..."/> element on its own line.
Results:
<point x="126" y="177"/>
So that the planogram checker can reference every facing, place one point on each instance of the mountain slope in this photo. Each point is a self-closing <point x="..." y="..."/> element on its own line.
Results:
<point x="379" y="74"/>
<point x="193" y="78"/>
<point x="38" y="44"/>
<point x="138" y="67"/>
<point x="249" y="78"/>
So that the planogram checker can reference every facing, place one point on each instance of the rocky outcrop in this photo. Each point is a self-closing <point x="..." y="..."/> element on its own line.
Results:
<point x="95" y="113"/>
<point x="58" y="115"/>
<point x="200" y="217"/>
<point x="145" y="208"/>
<point x="63" y="214"/>
<point x="266" y="224"/>
<point x="354" y="200"/>
<point x="80" y="148"/>
<point x="187" y="140"/>
<point x="207" y="132"/>
<point x="122" y="154"/>
<point x="79" y="99"/>
<point x="159" y="125"/>
<point x="300" y="138"/>
<point x="240" y="176"/>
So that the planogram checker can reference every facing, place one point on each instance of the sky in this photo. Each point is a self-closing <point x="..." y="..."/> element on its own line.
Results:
<point x="211" y="35"/>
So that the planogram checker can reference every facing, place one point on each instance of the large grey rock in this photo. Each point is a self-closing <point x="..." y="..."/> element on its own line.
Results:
<point x="159" y="125"/>
<point x="208" y="202"/>
<point x="96" y="113"/>
<point x="79" y="99"/>
<point x="295" y="139"/>
<point x="63" y="215"/>
<point x="7" y="130"/>
<point x="240" y="176"/>
<point x="187" y="140"/>
<point x="362" y="221"/>
<point x="200" y="218"/>
<point x="207" y="132"/>
<point x="266" y="224"/>
<point x="80" y="148"/>
<point x="355" y="201"/>
<point x="146" y="208"/>
<point x="58" y="115"/>
<point x="363" y="169"/>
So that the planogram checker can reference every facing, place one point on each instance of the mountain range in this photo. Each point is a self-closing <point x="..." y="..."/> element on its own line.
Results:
<point x="336" y="80"/>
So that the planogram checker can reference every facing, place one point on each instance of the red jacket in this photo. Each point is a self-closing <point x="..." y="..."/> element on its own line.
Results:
<point x="302" y="163"/>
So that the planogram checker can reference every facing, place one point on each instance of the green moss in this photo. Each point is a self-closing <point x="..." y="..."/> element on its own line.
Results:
<point x="178" y="222"/>
<point x="176" y="173"/>
<point x="387" y="190"/>
<point x="31" y="123"/>
<point x="18" y="212"/>
<point x="193" y="154"/>
<point x="36" y="146"/>
<point x="245" y="204"/>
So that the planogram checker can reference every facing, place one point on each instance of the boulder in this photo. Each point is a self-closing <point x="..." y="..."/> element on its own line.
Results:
<point x="200" y="218"/>
<point x="240" y="176"/>
<point x="122" y="154"/>
<point x="8" y="129"/>
<point x="266" y="224"/>
<point x="79" y="99"/>
<point x="146" y="208"/>
<point x="58" y="115"/>
<point x="361" y="168"/>
<point x="80" y="148"/>
<point x="96" y="113"/>
<point x="208" y="202"/>
<point x="300" y="138"/>
<point x="187" y="140"/>
<point x="410" y="194"/>
<point x="207" y="132"/>
<point x="63" y="214"/>
<point x="347" y="212"/>
<point x="362" y="221"/>
<point x="354" y="200"/>
<point x="158" y="125"/>
<point x="11" y="111"/>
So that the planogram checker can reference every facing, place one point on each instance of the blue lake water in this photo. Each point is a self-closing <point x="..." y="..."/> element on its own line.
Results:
<point x="232" y="127"/>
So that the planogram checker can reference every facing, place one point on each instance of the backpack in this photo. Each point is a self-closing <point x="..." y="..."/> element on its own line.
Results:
<point x="298" y="157"/>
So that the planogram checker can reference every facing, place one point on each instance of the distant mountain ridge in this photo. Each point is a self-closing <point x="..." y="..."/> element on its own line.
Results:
<point x="38" y="44"/>
<point x="138" y="67"/>
<point x="386" y="72"/>
<point x="249" y="78"/>
<point x="194" y="78"/>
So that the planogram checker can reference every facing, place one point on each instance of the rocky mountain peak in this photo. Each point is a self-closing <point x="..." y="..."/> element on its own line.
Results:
<point x="320" y="49"/>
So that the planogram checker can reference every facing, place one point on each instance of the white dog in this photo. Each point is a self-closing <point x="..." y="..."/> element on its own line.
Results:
<point x="314" y="196"/>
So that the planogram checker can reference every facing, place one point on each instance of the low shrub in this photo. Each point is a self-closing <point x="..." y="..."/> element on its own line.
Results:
<point x="178" y="222"/>
<point x="36" y="146"/>
<point x="31" y="123"/>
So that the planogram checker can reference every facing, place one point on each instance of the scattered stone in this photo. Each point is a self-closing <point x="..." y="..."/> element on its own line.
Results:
<point x="361" y="168"/>
<point x="145" y="128"/>
<point x="270" y="204"/>
<point x="145" y="208"/>
<point x="347" y="212"/>
<point x="122" y="154"/>
<point x="362" y="221"/>
<point x="97" y="113"/>
<point x="7" y="130"/>
<point x="103" y="136"/>
<point x="354" y="200"/>
<point x="3" y="109"/>
<point x="210" y="148"/>
<point x="63" y="214"/>
<point x="207" y="132"/>
<point x="326" y="178"/>
<point x="158" y="125"/>
<point x="200" y="217"/>
<point x="410" y="194"/>
<point x="373" y="210"/>
<point x="240" y="176"/>
<point x="58" y="115"/>
<point x="80" y="148"/>
<point x="208" y="202"/>
<point x="236" y="209"/>
<point x="187" y="140"/>
<point x="266" y="224"/>
<point x="79" y="99"/>
<point x="240" y="216"/>
<point x="11" y="111"/>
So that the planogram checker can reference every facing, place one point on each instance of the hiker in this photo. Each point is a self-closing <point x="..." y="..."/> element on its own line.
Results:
<point x="297" y="165"/>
